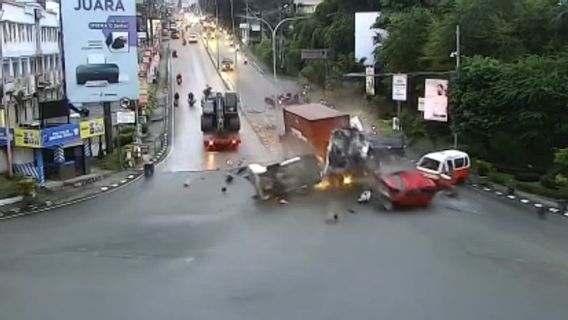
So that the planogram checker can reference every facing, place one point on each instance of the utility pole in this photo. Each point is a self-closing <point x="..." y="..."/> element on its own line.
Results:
<point x="458" y="61"/>
<point x="235" y="44"/>
<point x="217" y="34"/>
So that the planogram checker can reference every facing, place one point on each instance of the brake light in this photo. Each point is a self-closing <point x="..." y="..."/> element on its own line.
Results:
<point x="211" y="143"/>
<point x="233" y="141"/>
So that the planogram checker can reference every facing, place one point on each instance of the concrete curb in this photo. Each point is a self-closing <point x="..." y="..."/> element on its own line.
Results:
<point x="135" y="175"/>
<point x="521" y="202"/>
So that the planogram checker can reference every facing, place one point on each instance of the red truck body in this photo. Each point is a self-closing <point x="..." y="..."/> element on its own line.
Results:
<point x="313" y="123"/>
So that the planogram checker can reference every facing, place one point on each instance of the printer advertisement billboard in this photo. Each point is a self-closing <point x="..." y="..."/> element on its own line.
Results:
<point x="101" y="58"/>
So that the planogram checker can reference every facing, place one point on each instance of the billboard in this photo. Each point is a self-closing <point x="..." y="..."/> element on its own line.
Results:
<point x="99" y="42"/>
<point x="27" y="138"/>
<point x="370" y="81"/>
<point x="365" y="36"/>
<point x="436" y="100"/>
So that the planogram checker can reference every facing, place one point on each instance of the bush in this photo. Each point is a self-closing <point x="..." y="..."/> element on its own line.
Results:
<point x="538" y="189"/>
<point x="127" y="129"/>
<point x="500" y="178"/>
<point x="124" y="139"/>
<point x="27" y="187"/>
<point x="549" y="181"/>
<point x="483" y="168"/>
<point x="527" y="177"/>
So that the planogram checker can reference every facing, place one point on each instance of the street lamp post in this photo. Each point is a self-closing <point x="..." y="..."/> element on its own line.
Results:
<point x="274" y="30"/>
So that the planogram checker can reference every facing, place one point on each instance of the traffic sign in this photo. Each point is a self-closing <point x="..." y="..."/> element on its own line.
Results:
<point x="314" y="54"/>
<point x="399" y="83"/>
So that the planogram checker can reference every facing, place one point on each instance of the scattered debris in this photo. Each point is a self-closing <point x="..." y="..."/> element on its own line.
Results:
<point x="224" y="189"/>
<point x="229" y="178"/>
<point x="283" y="201"/>
<point x="241" y="170"/>
<point x="230" y="163"/>
<point x="186" y="184"/>
<point x="332" y="217"/>
<point x="365" y="197"/>
<point x="49" y="203"/>
<point x="351" y="211"/>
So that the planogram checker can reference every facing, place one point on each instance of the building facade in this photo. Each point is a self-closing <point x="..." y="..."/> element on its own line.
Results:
<point x="31" y="70"/>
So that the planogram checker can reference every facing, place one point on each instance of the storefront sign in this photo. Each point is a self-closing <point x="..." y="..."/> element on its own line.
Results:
<point x="92" y="128"/>
<point x="60" y="135"/>
<point x="27" y="138"/>
<point x="3" y="141"/>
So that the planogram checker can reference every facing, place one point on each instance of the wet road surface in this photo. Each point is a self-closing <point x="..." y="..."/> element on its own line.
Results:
<point x="157" y="250"/>
<point x="188" y="151"/>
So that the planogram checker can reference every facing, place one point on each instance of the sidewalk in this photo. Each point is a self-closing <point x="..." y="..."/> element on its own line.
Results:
<point x="61" y="193"/>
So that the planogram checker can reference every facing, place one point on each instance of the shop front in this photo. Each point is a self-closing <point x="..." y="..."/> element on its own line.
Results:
<point x="61" y="152"/>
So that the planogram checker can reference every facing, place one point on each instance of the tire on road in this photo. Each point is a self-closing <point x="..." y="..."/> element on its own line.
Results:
<point x="206" y="123"/>
<point x="234" y="124"/>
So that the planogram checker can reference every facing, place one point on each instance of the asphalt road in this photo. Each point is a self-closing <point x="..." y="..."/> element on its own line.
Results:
<point x="156" y="250"/>
<point x="188" y="150"/>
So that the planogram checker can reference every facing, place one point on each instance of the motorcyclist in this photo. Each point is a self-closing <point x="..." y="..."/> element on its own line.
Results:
<point x="176" y="99"/>
<point x="207" y="91"/>
<point x="175" y="53"/>
<point x="190" y="96"/>
<point x="178" y="77"/>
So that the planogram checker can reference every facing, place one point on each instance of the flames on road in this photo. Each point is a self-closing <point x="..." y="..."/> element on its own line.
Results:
<point x="343" y="181"/>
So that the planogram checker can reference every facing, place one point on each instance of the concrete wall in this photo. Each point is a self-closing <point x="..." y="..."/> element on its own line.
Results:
<point x="19" y="155"/>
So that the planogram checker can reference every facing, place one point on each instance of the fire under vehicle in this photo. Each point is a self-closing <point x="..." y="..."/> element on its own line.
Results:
<point x="220" y="121"/>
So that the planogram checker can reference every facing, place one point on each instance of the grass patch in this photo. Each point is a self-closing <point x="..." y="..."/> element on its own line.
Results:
<point x="8" y="187"/>
<point x="109" y="162"/>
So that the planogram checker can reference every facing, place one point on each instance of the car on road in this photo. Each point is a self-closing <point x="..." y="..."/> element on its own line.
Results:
<point x="227" y="64"/>
<point x="174" y="34"/>
<point x="192" y="38"/>
<point x="404" y="189"/>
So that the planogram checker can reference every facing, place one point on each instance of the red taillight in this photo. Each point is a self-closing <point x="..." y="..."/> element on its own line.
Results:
<point x="211" y="143"/>
<point x="233" y="141"/>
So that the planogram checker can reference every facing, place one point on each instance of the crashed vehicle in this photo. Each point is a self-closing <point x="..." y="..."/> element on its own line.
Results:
<point x="282" y="178"/>
<point x="403" y="189"/>
<point x="348" y="157"/>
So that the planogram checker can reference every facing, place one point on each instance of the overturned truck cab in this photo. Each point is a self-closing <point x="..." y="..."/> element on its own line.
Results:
<point x="280" y="179"/>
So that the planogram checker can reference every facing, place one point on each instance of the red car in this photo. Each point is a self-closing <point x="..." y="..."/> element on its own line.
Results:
<point x="404" y="189"/>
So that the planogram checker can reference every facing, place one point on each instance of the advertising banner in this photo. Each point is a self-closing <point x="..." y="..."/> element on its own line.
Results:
<point x="92" y="128"/>
<point x="60" y="135"/>
<point x="101" y="57"/>
<point x="436" y="100"/>
<point x="27" y="138"/>
<point x="399" y="82"/>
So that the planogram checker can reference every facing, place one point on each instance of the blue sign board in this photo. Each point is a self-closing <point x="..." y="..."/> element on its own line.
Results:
<point x="60" y="135"/>
<point x="3" y="141"/>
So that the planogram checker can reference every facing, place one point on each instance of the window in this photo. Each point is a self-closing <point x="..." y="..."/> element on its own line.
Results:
<point x="459" y="163"/>
<point x="32" y="65"/>
<point x="30" y="35"/>
<point x="429" y="163"/>
<point x="450" y="166"/>
<point x="25" y="67"/>
<point x="6" y="69"/>
<point x="5" y="33"/>
<point x="15" y="69"/>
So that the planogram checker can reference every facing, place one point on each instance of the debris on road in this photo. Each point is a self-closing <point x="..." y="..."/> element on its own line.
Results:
<point x="186" y="184"/>
<point x="283" y="201"/>
<point x="224" y="189"/>
<point x="365" y="197"/>
<point x="351" y="211"/>
<point x="229" y="178"/>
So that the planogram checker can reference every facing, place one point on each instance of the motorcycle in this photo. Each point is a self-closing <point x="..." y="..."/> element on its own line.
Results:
<point x="191" y="99"/>
<point x="175" y="54"/>
<point x="184" y="42"/>
<point x="178" y="78"/>
<point x="176" y="99"/>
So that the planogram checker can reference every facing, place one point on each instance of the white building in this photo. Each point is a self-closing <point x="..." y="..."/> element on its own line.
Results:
<point x="31" y="66"/>
<point x="306" y="6"/>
